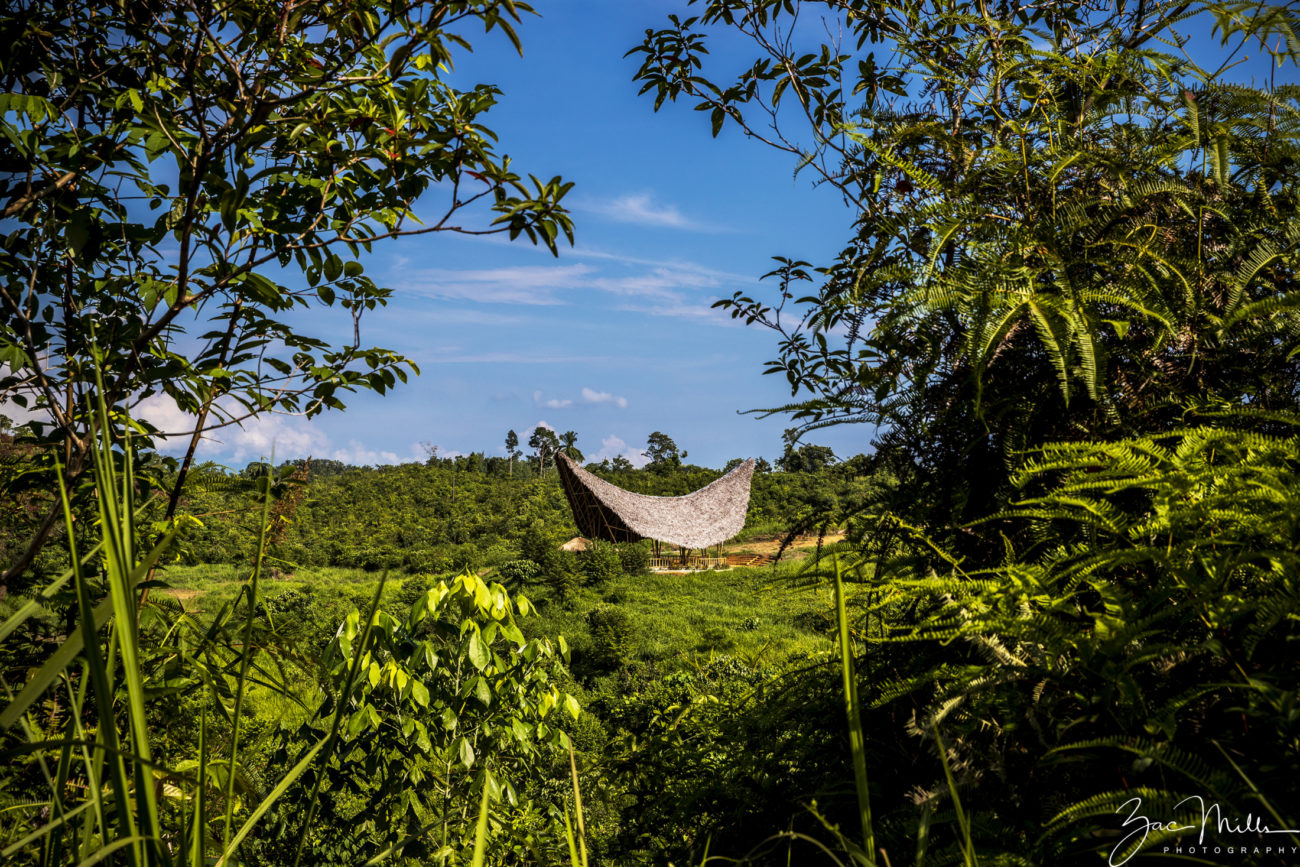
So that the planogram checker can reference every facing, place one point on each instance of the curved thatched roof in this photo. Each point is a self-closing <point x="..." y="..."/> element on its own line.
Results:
<point x="711" y="515"/>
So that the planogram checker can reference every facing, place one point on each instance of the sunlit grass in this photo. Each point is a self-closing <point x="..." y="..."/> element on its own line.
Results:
<point x="760" y="615"/>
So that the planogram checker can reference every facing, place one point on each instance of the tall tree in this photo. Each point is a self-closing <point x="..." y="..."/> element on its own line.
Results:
<point x="543" y="442"/>
<point x="568" y="445"/>
<point x="179" y="177"/>
<point x="1064" y="224"/>
<point x="663" y="452"/>
<point x="512" y="449"/>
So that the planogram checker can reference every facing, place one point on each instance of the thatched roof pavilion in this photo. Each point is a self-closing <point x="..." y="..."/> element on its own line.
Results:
<point x="709" y="516"/>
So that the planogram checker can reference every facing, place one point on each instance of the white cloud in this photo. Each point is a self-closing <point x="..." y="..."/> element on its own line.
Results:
<point x="163" y="413"/>
<point x="273" y="437"/>
<point x="661" y="282"/>
<point x="679" y="309"/>
<point x="473" y="316"/>
<point x="532" y="284"/>
<point x="643" y="210"/>
<point x="590" y="395"/>
<point x="681" y="289"/>
<point x="21" y="415"/>
<point x="613" y="446"/>
<point x="553" y="403"/>
<point x="670" y="265"/>
<point x="358" y="455"/>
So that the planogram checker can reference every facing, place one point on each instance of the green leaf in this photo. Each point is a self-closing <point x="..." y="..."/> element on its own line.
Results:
<point x="419" y="693"/>
<point x="522" y="732"/>
<point x="466" y="753"/>
<point x="478" y="652"/>
<point x="422" y="738"/>
<point x="357" y="722"/>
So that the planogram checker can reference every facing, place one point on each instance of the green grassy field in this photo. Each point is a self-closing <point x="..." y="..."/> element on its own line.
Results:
<point x="759" y="615"/>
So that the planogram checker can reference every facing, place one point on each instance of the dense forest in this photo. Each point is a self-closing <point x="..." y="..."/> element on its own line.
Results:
<point x="1050" y="615"/>
<point x="470" y="512"/>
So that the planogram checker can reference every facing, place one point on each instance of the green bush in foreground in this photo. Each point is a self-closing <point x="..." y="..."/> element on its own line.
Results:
<point x="443" y="703"/>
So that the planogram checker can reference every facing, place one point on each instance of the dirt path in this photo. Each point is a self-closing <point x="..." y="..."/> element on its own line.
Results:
<point x="180" y="594"/>
<point x="769" y="547"/>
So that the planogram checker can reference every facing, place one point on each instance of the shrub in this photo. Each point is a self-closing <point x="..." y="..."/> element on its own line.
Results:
<point x="516" y="573"/>
<point x="717" y="638"/>
<point x="536" y="543"/>
<point x="601" y="563"/>
<point x="634" y="557"/>
<point x="417" y="560"/>
<point x="612" y="636"/>
<point x="450" y="687"/>
<point x="564" y="580"/>
<point x="410" y="590"/>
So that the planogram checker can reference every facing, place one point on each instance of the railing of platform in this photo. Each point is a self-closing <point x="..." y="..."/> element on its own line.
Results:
<point x="689" y="562"/>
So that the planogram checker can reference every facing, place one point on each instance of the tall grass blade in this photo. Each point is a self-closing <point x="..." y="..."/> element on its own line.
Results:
<point x="200" y="794"/>
<point x="32" y="607"/>
<point x="853" y="709"/>
<point x="923" y="834"/>
<point x="93" y="763"/>
<point x="54" y="846"/>
<point x="117" y="527"/>
<point x="577" y="809"/>
<point x="53" y="825"/>
<point x="480" y="830"/>
<point x="246" y="659"/>
<point x="967" y="848"/>
<point x="1259" y="796"/>
<point x="102" y="684"/>
<point x="269" y="801"/>
<point x="568" y="836"/>
<point x="48" y="674"/>
<point x="121" y="843"/>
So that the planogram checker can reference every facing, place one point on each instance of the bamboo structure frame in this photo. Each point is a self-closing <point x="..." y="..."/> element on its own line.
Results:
<point x="697" y="521"/>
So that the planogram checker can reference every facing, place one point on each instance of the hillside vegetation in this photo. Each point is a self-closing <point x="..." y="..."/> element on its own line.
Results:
<point x="1053" y="617"/>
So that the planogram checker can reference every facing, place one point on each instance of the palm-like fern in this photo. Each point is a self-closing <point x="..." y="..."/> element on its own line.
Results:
<point x="1128" y="646"/>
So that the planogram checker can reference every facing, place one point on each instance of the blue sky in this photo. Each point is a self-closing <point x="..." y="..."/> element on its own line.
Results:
<point x="615" y="338"/>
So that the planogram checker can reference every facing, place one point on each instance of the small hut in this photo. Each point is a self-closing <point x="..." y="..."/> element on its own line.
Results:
<point x="575" y="545"/>
<point x="693" y="523"/>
